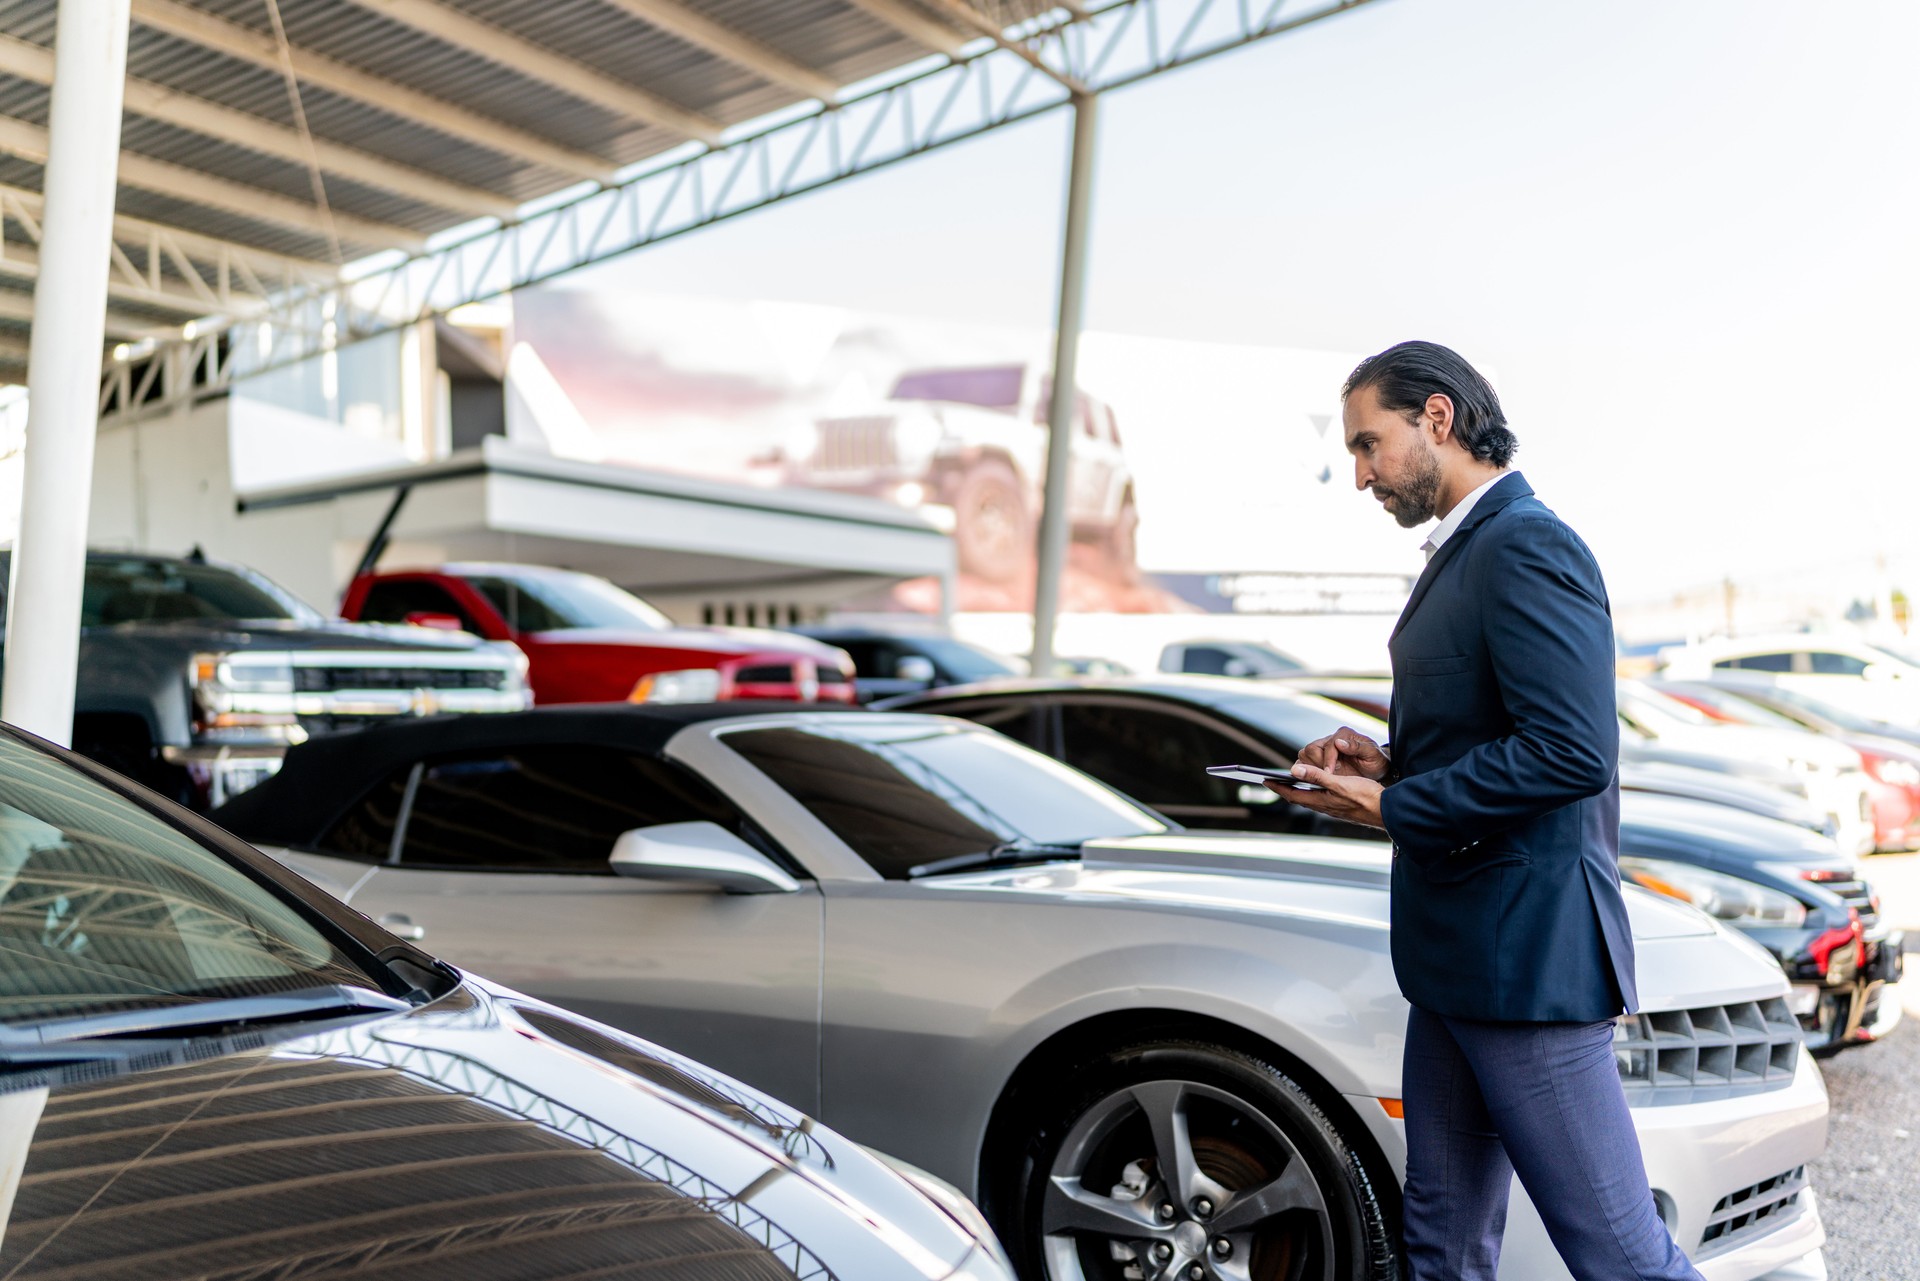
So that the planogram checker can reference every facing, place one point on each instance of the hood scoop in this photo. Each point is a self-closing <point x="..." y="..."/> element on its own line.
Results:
<point x="1345" y="862"/>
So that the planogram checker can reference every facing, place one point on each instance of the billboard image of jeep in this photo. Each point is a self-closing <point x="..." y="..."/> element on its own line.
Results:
<point x="974" y="439"/>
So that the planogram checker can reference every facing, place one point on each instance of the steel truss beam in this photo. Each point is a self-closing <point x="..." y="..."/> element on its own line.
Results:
<point x="1121" y="43"/>
<point x="166" y="267"/>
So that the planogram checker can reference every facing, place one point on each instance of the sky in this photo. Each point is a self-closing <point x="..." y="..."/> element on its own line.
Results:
<point x="1678" y="233"/>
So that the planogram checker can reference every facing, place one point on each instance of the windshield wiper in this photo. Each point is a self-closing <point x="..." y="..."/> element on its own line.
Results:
<point x="200" y="1018"/>
<point x="1005" y="854"/>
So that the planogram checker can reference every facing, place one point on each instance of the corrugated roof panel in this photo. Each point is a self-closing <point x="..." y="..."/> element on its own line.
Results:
<point x="613" y="43"/>
<point x="280" y="177"/>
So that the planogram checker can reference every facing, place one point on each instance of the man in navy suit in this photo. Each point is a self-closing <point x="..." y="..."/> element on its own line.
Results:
<point x="1500" y="792"/>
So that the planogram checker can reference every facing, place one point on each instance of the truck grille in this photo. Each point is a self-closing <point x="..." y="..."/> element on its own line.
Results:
<point x="328" y="680"/>
<point x="1714" y="1052"/>
<point x="856" y="444"/>
<point x="1753" y="1211"/>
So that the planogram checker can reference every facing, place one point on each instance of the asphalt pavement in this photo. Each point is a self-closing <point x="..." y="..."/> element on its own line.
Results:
<point x="1869" y="1179"/>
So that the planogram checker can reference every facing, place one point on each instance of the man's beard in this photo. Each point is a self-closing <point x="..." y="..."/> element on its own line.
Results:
<point x="1417" y="493"/>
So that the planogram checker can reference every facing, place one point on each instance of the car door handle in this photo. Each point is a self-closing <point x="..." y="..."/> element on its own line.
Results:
<point x="400" y="925"/>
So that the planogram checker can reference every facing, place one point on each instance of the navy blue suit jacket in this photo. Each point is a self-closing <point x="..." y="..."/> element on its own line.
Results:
<point x="1505" y="805"/>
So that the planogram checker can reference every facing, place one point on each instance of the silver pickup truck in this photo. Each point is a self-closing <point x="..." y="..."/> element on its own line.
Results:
<point x="975" y="439"/>
<point x="196" y="677"/>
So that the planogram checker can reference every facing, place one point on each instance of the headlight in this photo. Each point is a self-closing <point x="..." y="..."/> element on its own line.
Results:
<point x="243" y="698"/>
<point x="1726" y="898"/>
<point x="689" y="685"/>
<point x="799" y="441"/>
<point x="915" y="437"/>
<point x="1897" y="773"/>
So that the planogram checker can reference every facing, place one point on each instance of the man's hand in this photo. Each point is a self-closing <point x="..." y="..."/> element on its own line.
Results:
<point x="1348" y="796"/>
<point x="1345" y="752"/>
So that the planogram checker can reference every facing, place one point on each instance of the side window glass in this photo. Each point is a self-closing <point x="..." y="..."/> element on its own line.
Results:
<point x="546" y="808"/>
<point x="391" y="601"/>
<point x="1205" y="660"/>
<point x="1157" y="758"/>
<point x="865" y="655"/>
<point x="1825" y="664"/>
<point x="1765" y="663"/>
<point x="1016" y="720"/>
<point x="365" y="832"/>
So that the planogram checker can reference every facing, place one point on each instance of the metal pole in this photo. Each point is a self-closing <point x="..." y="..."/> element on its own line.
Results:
<point x="63" y="369"/>
<point x="1061" y="415"/>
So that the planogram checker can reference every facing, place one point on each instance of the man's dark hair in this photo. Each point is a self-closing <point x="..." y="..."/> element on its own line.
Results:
<point x="1405" y="374"/>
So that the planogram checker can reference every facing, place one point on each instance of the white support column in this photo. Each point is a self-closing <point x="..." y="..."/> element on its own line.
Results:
<point x="1061" y="415"/>
<point x="63" y="371"/>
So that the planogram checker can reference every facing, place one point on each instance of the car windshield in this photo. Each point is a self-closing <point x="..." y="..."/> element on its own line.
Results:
<point x="1905" y="657"/>
<point x="564" y="602"/>
<point x="993" y="387"/>
<point x="1731" y="704"/>
<point x="902" y="795"/>
<point x="137" y="589"/>
<point x="966" y="662"/>
<point x="1300" y="720"/>
<point x="1841" y="716"/>
<point x="106" y="908"/>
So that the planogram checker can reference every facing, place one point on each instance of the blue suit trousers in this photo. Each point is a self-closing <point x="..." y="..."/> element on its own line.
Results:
<point x="1485" y="1101"/>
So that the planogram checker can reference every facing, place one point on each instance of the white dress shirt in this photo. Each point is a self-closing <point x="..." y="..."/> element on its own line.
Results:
<point x="1458" y="516"/>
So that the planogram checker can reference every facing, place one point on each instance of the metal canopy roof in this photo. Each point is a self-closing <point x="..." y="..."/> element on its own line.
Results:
<point x="269" y="143"/>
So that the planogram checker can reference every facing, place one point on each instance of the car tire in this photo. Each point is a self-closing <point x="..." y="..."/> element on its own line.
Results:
<point x="1084" y="1196"/>
<point x="993" y="521"/>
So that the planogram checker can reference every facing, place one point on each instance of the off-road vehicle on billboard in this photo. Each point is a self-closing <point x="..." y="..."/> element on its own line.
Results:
<point x="975" y="439"/>
<point x="195" y="677"/>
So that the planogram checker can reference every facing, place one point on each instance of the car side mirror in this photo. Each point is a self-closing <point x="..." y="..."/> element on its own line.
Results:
<point x="917" y="668"/>
<point x="443" y="622"/>
<point x="702" y="852"/>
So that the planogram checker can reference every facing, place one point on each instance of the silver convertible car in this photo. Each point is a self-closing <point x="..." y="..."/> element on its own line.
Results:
<point x="1149" y="1054"/>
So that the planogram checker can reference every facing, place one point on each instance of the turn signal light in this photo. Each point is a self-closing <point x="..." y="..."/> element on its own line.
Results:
<point x="1394" y="1108"/>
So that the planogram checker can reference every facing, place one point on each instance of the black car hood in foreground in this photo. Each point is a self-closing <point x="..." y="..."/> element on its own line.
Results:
<point x="484" y="1136"/>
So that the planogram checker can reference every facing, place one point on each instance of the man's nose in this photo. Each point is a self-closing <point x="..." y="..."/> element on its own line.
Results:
<point x="1362" y="475"/>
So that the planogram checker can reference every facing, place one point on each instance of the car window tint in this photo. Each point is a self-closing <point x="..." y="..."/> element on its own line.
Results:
<point x="900" y="795"/>
<point x="546" y="808"/>
<point x="1759" y="663"/>
<point x="365" y="831"/>
<point x="1015" y="720"/>
<point x="1829" y="664"/>
<point x="104" y="906"/>
<point x="1156" y="757"/>
<point x="864" y="653"/>
<point x="391" y="600"/>
<point x="1205" y="660"/>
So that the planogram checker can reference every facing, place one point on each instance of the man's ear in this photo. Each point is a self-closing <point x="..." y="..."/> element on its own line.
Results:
<point x="1439" y="414"/>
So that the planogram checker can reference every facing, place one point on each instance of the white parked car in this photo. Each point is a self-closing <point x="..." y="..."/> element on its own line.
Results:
<point x="1835" y="779"/>
<point x="1145" y="1051"/>
<point x="1873" y="680"/>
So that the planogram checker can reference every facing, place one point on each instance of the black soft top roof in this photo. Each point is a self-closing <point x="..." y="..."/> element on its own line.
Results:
<point x="325" y="775"/>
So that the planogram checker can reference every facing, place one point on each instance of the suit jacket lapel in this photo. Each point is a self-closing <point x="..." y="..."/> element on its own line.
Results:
<point x="1510" y="487"/>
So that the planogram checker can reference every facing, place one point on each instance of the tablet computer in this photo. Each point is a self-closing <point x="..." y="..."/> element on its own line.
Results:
<point x="1260" y="774"/>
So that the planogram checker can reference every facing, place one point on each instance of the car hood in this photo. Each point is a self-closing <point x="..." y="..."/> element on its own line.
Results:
<point x="1646" y="817"/>
<point x="484" y="1135"/>
<point x="213" y="633"/>
<point x="1294" y="873"/>
<point x="1329" y="886"/>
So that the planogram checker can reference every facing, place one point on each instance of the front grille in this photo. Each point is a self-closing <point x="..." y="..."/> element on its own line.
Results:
<point x="328" y="680"/>
<point x="1751" y="1212"/>
<point x="1714" y="1052"/>
<point x="856" y="444"/>
<point x="772" y="674"/>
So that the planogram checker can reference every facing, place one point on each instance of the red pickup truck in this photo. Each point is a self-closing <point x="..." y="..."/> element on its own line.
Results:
<point x="588" y="641"/>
